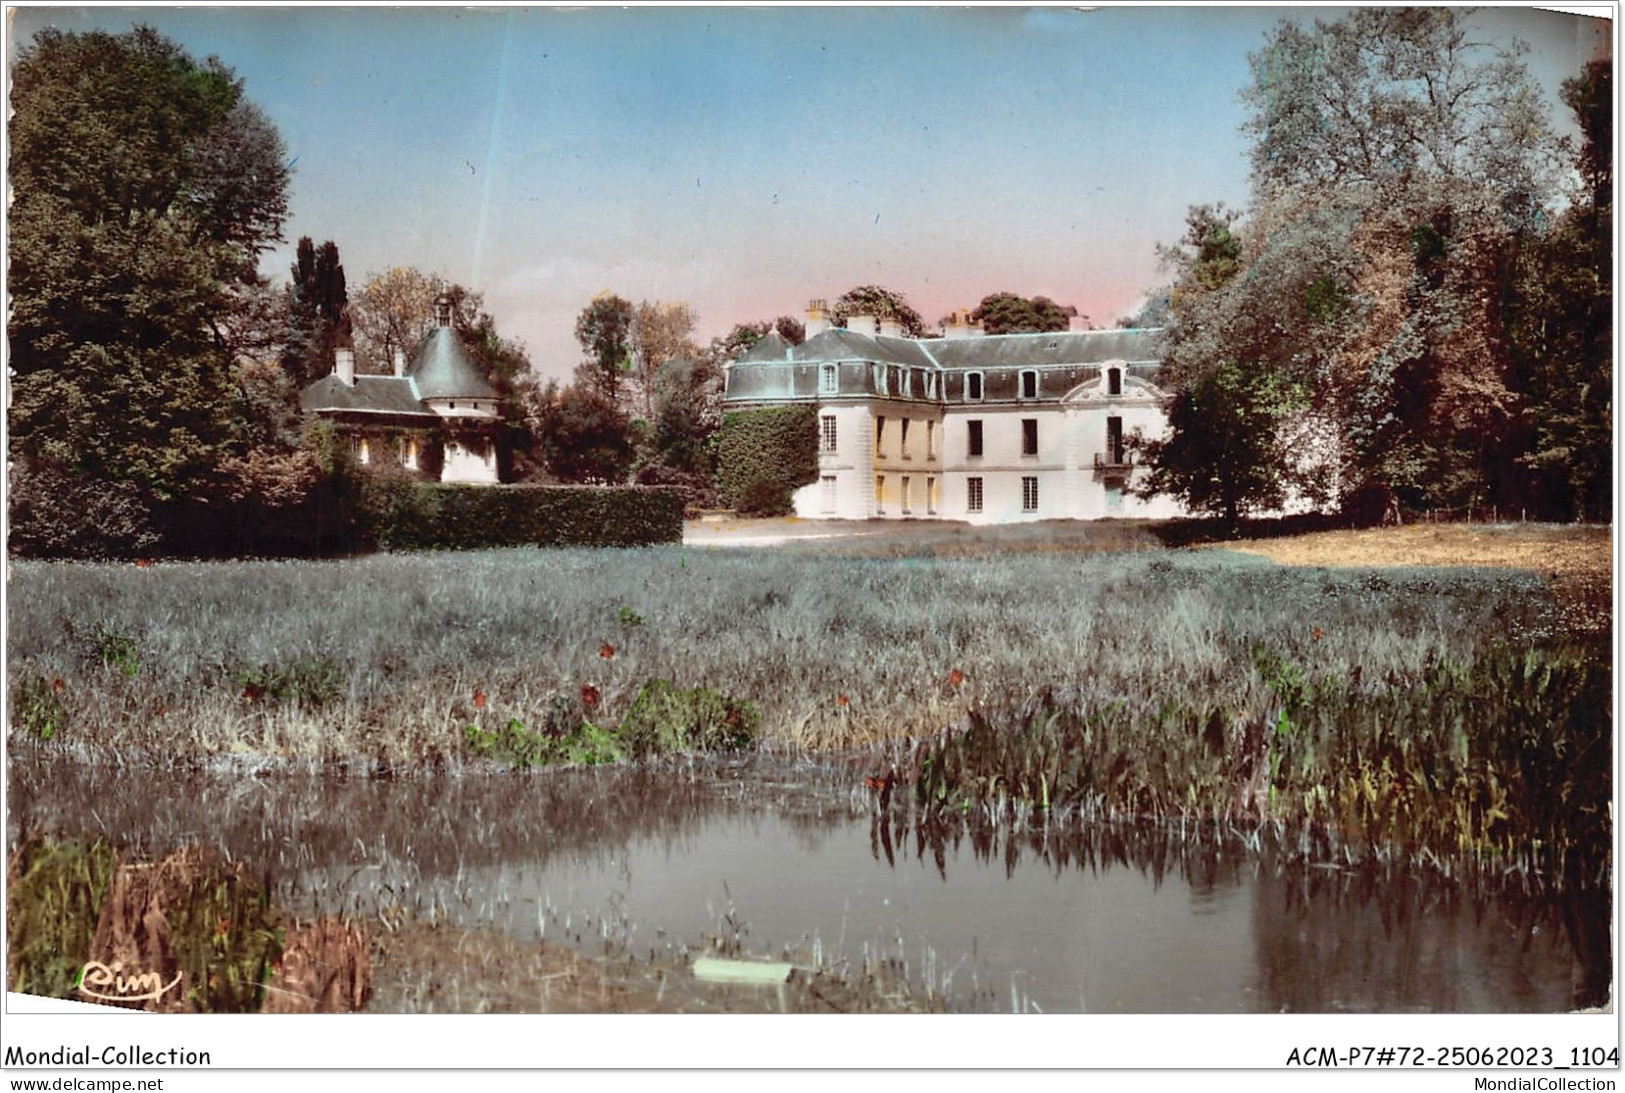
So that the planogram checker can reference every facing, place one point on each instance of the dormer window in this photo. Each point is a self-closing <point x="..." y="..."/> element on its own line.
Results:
<point x="1029" y="383"/>
<point x="442" y="311"/>
<point x="973" y="387"/>
<point x="828" y="380"/>
<point x="1114" y="381"/>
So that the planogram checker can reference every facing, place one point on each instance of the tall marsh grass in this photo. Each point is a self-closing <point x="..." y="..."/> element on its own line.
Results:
<point x="832" y="651"/>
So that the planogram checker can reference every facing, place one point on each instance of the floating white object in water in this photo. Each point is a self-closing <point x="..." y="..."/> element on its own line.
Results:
<point x="741" y="971"/>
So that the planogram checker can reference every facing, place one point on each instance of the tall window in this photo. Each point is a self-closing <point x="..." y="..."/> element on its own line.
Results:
<point x="931" y="496"/>
<point x="973" y="386"/>
<point x="1029" y="436"/>
<point x="828" y="381"/>
<point x="1029" y="384"/>
<point x="905" y="495"/>
<point x="827" y="422"/>
<point x="930" y="440"/>
<point x="1114" y="439"/>
<point x="827" y="486"/>
<point x="1029" y="493"/>
<point x="973" y="495"/>
<point x="880" y="493"/>
<point x="1114" y="381"/>
<point x="880" y="436"/>
<point x="903" y="440"/>
<point x="973" y="438"/>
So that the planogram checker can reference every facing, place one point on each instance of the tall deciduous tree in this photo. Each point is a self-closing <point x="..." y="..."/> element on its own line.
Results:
<point x="144" y="188"/>
<point x="1397" y="162"/>
<point x="393" y="313"/>
<point x="1008" y="313"/>
<point x="881" y="302"/>
<point x="583" y="435"/>
<point x="660" y="333"/>
<point x="1559" y="313"/>
<point x="604" y="329"/>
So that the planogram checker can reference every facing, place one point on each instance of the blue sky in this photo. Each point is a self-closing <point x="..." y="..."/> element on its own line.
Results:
<point x="746" y="160"/>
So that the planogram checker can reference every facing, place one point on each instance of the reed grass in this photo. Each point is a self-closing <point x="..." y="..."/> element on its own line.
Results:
<point x="383" y="659"/>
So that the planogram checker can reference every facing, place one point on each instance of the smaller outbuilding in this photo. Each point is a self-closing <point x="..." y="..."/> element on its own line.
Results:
<point x="436" y="418"/>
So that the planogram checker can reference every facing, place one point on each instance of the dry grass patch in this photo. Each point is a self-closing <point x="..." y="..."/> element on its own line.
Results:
<point x="1566" y="551"/>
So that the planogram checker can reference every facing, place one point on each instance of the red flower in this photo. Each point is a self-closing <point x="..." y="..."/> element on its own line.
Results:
<point x="842" y="700"/>
<point x="607" y="651"/>
<point x="143" y="563"/>
<point x="1317" y="634"/>
<point x="589" y="695"/>
<point x="56" y="684"/>
<point x="479" y="699"/>
<point x="253" y="693"/>
<point x="955" y="678"/>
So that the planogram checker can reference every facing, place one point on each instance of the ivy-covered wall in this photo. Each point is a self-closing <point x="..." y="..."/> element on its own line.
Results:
<point x="764" y="456"/>
<point x="432" y="516"/>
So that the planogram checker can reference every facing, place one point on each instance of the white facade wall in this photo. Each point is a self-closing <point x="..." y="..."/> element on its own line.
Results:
<point x="1003" y="464"/>
<point x="863" y="463"/>
<point x="470" y="460"/>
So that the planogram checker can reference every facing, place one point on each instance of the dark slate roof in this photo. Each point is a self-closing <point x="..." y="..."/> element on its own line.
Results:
<point x="769" y="347"/>
<point x="1035" y="350"/>
<point x="373" y="394"/>
<point x="443" y="369"/>
<point x="836" y="344"/>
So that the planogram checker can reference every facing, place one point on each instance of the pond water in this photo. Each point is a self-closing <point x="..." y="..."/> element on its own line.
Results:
<point x="771" y="858"/>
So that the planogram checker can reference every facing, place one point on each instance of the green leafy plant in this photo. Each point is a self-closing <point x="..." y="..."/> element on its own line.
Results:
<point x="54" y="899"/>
<point x="115" y="649"/>
<point x="35" y="707"/>
<point x="630" y="618"/>
<point x="310" y="681"/>
<point x="666" y="718"/>
<point x="522" y="748"/>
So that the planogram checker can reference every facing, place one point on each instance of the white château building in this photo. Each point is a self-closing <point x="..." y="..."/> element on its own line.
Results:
<point x="438" y="403"/>
<point x="980" y="428"/>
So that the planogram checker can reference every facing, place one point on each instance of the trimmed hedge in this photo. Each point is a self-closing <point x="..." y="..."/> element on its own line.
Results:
<point x="764" y="456"/>
<point x="435" y="516"/>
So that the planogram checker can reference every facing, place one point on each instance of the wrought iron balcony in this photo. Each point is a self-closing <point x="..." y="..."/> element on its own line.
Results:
<point x="1120" y="460"/>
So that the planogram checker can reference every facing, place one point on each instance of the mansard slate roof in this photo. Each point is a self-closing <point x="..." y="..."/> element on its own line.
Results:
<point x="769" y="347"/>
<point x="773" y="371"/>
<point x="371" y="394"/>
<point x="837" y="344"/>
<point x="1038" y="350"/>
<point x="984" y="351"/>
<point x="443" y="369"/>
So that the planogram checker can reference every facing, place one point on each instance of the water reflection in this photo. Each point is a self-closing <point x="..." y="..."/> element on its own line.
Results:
<point x="784" y="857"/>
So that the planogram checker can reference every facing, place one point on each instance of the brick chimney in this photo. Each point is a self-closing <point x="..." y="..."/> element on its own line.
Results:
<point x="344" y="364"/>
<point x="863" y="324"/>
<point x="400" y="361"/>
<point x="891" y="328"/>
<point x="817" y="318"/>
<point x="960" y="325"/>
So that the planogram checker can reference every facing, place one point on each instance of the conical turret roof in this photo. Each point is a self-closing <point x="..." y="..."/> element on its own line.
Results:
<point x="443" y="369"/>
